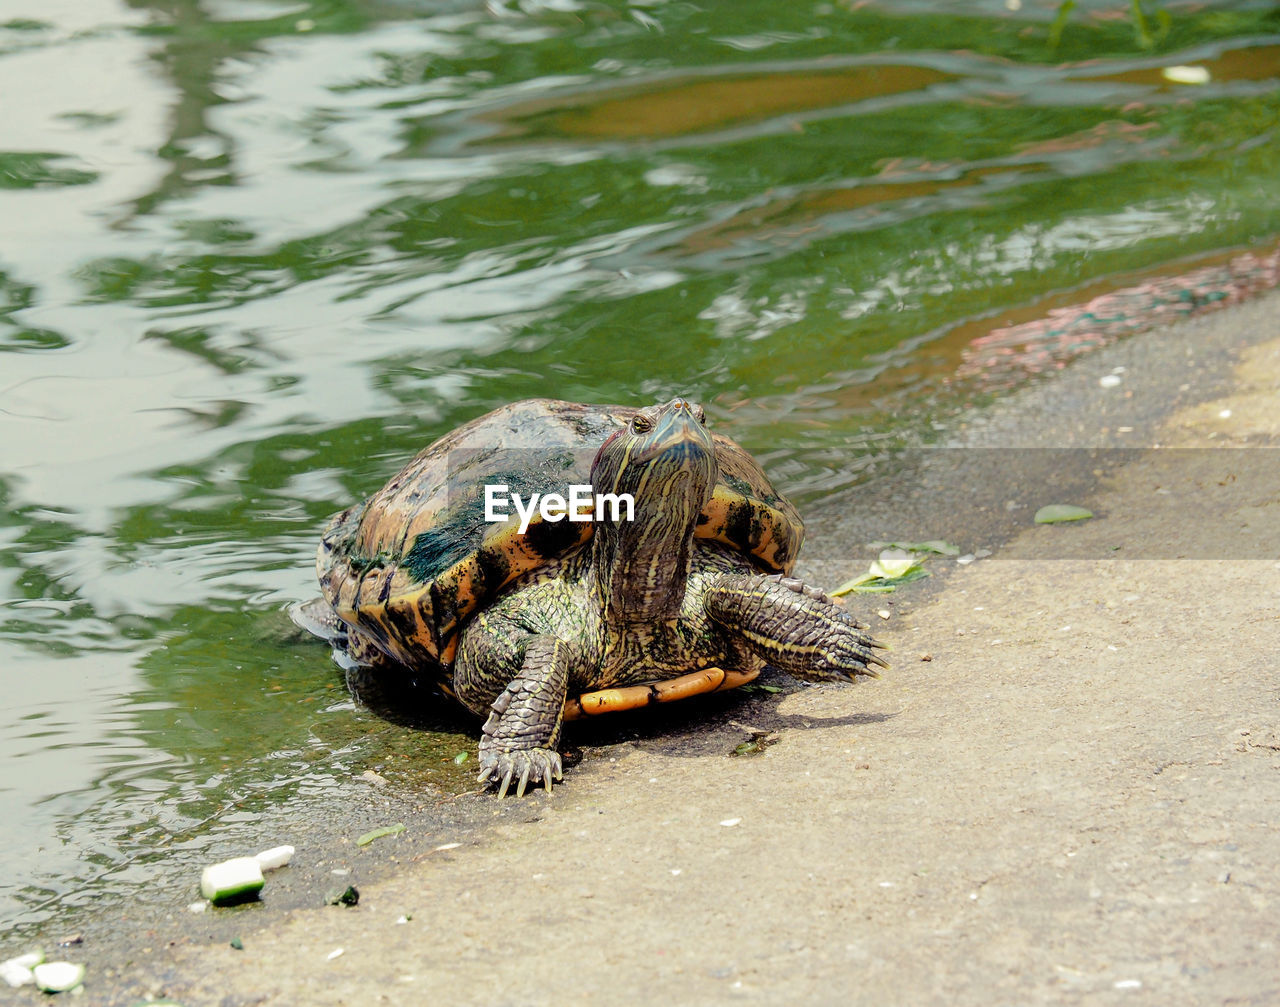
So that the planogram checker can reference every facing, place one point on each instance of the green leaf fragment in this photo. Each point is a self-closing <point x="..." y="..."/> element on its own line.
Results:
<point x="849" y="586"/>
<point x="1141" y="33"/>
<point x="1055" y="513"/>
<point x="934" y="545"/>
<point x="893" y="567"/>
<point x="882" y="578"/>
<point x="460" y="758"/>
<point x="349" y="896"/>
<point x="386" y="830"/>
<point x="1060" y="22"/>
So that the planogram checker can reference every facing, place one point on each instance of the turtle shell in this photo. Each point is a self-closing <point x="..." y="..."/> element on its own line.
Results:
<point x="409" y="565"/>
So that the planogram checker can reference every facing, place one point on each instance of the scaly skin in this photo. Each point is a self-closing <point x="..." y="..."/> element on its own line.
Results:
<point x="792" y="626"/>
<point x="523" y="729"/>
<point x="644" y="601"/>
<point x="731" y="617"/>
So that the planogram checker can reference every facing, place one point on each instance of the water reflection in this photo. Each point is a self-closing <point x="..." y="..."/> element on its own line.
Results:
<point x="276" y="247"/>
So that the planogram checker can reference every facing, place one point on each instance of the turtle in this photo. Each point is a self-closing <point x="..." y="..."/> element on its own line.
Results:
<point x="402" y="571"/>
<point x="529" y="626"/>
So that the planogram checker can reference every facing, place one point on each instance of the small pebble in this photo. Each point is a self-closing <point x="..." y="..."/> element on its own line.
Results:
<point x="15" y="974"/>
<point x="58" y="977"/>
<point x="198" y="907"/>
<point x="274" y="858"/>
<point x="884" y="613"/>
<point x="447" y="846"/>
<point x="335" y="953"/>
<point x="729" y="823"/>
<point x="926" y="657"/>
<point x="1128" y="984"/>
<point x="966" y="559"/>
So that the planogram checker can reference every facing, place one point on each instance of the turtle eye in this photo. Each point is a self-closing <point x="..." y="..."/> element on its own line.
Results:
<point x="641" y="424"/>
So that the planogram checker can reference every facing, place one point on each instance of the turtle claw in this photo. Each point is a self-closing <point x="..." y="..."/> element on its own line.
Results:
<point x="524" y="766"/>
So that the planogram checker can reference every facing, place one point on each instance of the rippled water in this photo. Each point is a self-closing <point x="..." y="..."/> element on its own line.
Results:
<point x="254" y="254"/>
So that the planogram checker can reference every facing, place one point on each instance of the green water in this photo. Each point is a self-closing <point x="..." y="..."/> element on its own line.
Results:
<point x="254" y="254"/>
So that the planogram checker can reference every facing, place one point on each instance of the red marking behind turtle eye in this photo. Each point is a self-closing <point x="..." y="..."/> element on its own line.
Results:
<point x="600" y="451"/>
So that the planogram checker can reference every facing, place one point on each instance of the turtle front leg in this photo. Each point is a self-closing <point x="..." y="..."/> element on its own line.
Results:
<point x="793" y="626"/>
<point x="520" y="736"/>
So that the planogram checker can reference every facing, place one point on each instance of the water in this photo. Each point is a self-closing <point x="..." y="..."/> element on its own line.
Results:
<point x="255" y="254"/>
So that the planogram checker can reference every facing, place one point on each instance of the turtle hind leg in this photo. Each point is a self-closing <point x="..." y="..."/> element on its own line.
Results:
<point x="792" y="626"/>
<point x="519" y="739"/>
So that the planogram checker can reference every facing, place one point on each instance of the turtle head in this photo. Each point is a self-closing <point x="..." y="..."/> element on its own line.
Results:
<point x="665" y="462"/>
